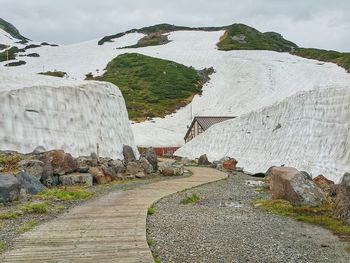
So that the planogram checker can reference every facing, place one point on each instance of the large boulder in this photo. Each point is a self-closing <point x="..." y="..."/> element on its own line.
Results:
<point x="128" y="153"/>
<point x="134" y="169"/>
<point x="342" y="202"/>
<point x="230" y="164"/>
<point x="323" y="182"/>
<point x="147" y="167"/>
<point x="152" y="158"/>
<point x="295" y="186"/>
<point x="172" y="169"/>
<point x="78" y="178"/>
<point x="62" y="163"/>
<point x="33" y="167"/>
<point x="10" y="188"/>
<point x="99" y="176"/>
<point x="203" y="160"/>
<point x="30" y="183"/>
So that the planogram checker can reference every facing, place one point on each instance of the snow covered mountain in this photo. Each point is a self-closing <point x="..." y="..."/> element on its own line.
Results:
<point x="243" y="80"/>
<point x="309" y="131"/>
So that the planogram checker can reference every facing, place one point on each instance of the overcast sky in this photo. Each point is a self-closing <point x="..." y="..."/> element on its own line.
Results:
<point x="309" y="23"/>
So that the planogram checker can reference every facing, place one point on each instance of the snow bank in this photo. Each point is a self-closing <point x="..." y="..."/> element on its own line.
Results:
<point x="309" y="131"/>
<point x="71" y="116"/>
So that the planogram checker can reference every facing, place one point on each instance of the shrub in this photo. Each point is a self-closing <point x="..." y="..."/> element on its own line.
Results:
<point x="194" y="198"/>
<point x="151" y="210"/>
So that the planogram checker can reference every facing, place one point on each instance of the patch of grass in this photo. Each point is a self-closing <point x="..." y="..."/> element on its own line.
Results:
<point x="347" y="249"/>
<point x="10" y="54"/>
<point x="9" y="215"/>
<point x="322" y="215"/>
<point x="16" y="63"/>
<point x="151" y="210"/>
<point x="2" y="247"/>
<point x="9" y="162"/>
<point x="150" y="242"/>
<point x="65" y="194"/>
<point x="152" y="87"/>
<point x="37" y="208"/>
<point x="341" y="59"/>
<point x="243" y="37"/>
<point x="57" y="74"/>
<point x="27" y="226"/>
<point x="2" y="225"/>
<point x="194" y="198"/>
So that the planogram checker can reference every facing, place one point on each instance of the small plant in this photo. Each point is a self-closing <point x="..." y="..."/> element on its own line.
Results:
<point x="347" y="249"/>
<point x="151" y="210"/>
<point x="150" y="242"/>
<point x="37" y="208"/>
<point x="2" y="225"/>
<point x="8" y="215"/>
<point x="65" y="194"/>
<point x="2" y="246"/>
<point x="9" y="162"/>
<point x="27" y="226"/>
<point x="194" y="198"/>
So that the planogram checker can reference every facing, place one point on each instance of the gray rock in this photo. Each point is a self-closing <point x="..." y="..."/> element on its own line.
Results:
<point x="203" y="160"/>
<point x="61" y="162"/>
<point x="78" y="178"/>
<point x="152" y="158"/>
<point x="9" y="188"/>
<point x="117" y="166"/>
<point x="94" y="159"/>
<point x="30" y="183"/>
<point x="147" y="167"/>
<point x="342" y="202"/>
<point x="39" y="150"/>
<point x="296" y="187"/>
<point x="33" y="167"/>
<point x="172" y="169"/>
<point x="128" y="153"/>
<point x="134" y="168"/>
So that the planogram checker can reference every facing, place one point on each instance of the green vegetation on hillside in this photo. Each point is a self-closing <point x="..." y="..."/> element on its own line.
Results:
<point x="152" y="87"/>
<point x="242" y="37"/>
<point x="58" y="74"/>
<point x="12" y="30"/>
<point x="153" y="39"/>
<point x="341" y="59"/>
<point x="11" y="53"/>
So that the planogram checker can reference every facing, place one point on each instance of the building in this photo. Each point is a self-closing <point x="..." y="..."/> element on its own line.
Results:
<point x="202" y="123"/>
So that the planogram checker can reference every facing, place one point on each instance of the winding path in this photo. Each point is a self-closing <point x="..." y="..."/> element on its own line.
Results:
<point x="109" y="229"/>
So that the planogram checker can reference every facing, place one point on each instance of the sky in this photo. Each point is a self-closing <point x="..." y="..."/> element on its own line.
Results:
<point x="309" y="23"/>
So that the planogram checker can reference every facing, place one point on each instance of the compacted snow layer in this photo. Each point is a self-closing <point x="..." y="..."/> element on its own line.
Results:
<point x="309" y="131"/>
<point x="243" y="80"/>
<point x="64" y="115"/>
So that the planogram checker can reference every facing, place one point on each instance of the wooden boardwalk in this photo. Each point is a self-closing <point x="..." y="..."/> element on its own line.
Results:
<point x="109" y="229"/>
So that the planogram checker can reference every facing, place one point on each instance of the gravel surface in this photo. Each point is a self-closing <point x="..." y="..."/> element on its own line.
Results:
<point x="225" y="227"/>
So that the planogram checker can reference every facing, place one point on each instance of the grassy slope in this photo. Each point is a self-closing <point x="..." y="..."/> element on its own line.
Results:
<point x="254" y="40"/>
<point x="12" y="30"/>
<point x="151" y="86"/>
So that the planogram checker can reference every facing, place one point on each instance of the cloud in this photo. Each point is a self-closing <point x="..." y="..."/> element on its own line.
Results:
<point x="310" y="23"/>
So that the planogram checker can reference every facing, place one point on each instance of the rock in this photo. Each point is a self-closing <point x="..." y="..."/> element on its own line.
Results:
<point x="147" y="167"/>
<point x="30" y="183"/>
<point x="134" y="168"/>
<point x="230" y="164"/>
<point x="48" y="178"/>
<point x="84" y="163"/>
<point x="10" y="188"/>
<point x="99" y="177"/>
<point x="342" y="202"/>
<point x="39" y="150"/>
<point x="94" y="159"/>
<point x="140" y="175"/>
<point x="128" y="153"/>
<point x="77" y="178"/>
<point x="334" y="189"/>
<point x="203" y="160"/>
<point x="152" y="158"/>
<point x="109" y="173"/>
<point x="33" y="167"/>
<point x="296" y="187"/>
<point x="172" y="169"/>
<point x="62" y="163"/>
<point x="323" y="182"/>
<point x="117" y="166"/>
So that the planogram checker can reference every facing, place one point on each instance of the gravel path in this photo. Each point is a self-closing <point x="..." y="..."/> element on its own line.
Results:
<point x="225" y="227"/>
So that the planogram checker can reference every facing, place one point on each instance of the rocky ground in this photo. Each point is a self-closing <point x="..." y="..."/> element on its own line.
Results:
<point x="224" y="226"/>
<point x="9" y="227"/>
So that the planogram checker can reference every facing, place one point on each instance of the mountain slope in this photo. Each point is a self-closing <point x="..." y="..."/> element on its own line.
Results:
<point x="309" y="131"/>
<point x="12" y="30"/>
